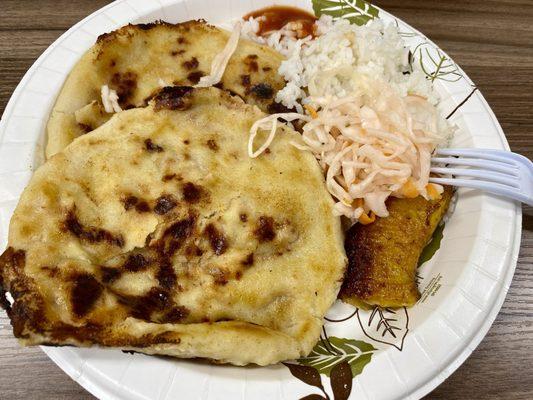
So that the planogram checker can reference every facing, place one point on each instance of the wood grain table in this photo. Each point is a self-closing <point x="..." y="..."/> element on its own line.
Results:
<point x="491" y="39"/>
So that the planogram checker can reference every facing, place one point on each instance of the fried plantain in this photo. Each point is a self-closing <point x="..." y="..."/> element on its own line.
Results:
<point x="383" y="256"/>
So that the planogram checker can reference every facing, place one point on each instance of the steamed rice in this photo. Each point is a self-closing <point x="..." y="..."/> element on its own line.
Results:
<point x="375" y="49"/>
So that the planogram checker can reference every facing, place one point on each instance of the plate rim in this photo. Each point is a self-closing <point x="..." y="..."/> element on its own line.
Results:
<point x="512" y="259"/>
<point x="100" y="391"/>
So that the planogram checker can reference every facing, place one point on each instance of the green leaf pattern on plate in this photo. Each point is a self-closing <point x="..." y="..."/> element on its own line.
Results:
<point x="358" y="12"/>
<point x="435" y="64"/>
<point x="433" y="245"/>
<point x="327" y="354"/>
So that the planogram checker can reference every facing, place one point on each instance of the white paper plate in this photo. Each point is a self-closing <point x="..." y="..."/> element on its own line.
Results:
<point x="463" y="285"/>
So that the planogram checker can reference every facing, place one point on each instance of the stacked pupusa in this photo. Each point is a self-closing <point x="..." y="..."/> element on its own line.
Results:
<point x="156" y="232"/>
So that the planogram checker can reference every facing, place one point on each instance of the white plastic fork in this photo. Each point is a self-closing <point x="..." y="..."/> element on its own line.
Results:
<point x="495" y="171"/>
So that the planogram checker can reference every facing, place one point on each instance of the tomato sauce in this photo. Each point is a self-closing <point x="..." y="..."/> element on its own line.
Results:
<point x="276" y="17"/>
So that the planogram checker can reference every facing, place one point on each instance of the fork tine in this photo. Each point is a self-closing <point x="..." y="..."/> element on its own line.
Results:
<point x="476" y="173"/>
<point x="487" y="165"/>
<point x="492" y="187"/>
<point x="509" y="155"/>
<point x="484" y="154"/>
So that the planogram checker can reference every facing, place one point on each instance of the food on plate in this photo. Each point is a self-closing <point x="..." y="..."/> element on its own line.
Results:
<point x="369" y="115"/>
<point x="127" y="66"/>
<point x="157" y="233"/>
<point x="368" y="111"/>
<point x="280" y="21"/>
<point x="197" y="184"/>
<point x="383" y="256"/>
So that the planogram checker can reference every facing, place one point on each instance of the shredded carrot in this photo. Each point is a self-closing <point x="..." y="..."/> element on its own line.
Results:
<point x="367" y="219"/>
<point x="433" y="193"/>
<point x="409" y="189"/>
<point x="312" y="112"/>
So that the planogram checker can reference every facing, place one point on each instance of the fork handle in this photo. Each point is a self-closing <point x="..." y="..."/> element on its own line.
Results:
<point x="494" y="188"/>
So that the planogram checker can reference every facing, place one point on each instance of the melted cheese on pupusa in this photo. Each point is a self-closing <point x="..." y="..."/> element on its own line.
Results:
<point x="134" y="61"/>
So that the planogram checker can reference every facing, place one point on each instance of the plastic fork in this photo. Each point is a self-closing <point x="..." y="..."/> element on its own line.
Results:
<point x="495" y="171"/>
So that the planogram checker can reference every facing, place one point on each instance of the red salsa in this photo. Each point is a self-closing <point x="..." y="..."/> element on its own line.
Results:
<point x="276" y="17"/>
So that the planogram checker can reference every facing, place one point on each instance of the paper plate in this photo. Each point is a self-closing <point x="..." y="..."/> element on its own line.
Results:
<point x="393" y="354"/>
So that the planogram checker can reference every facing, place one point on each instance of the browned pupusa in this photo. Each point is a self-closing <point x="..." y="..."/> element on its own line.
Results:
<point x="157" y="232"/>
<point x="137" y="60"/>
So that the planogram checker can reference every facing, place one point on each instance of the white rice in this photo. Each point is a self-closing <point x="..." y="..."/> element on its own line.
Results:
<point x="375" y="49"/>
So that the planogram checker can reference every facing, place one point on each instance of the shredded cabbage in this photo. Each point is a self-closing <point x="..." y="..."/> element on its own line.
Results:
<point x="110" y="100"/>
<point x="371" y="144"/>
<point x="269" y="123"/>
<point x="218" y="66"/>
